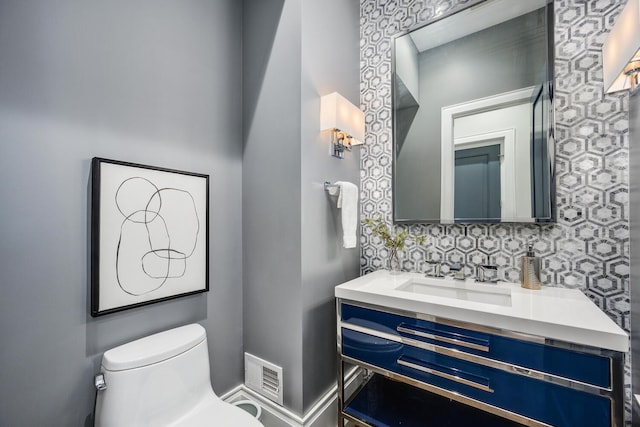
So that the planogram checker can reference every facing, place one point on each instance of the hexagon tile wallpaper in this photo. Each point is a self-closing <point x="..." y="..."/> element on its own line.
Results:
<point x="588" y="247"/>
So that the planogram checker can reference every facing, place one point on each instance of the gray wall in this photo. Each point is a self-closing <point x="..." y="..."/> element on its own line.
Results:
<point x="502" y="58"/>
<point x="406" y="63"/>
<point x="153" y="82"/>
<point x="271" y="189"/>
<point x="634" y="214"/>
<point x="329" y="63"/>
<point x="292" y="235"/>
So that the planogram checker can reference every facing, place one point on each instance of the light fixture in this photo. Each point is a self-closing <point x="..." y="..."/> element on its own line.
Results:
<point x="344" y="120"/>
<point x="621" y="51"/>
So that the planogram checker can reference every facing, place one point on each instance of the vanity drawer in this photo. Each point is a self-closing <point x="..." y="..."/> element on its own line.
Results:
<point x="573" y="365"/>
<point x="539" y="400"/>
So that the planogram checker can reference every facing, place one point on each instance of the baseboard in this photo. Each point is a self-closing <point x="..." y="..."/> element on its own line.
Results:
<point x="322" y="414"/>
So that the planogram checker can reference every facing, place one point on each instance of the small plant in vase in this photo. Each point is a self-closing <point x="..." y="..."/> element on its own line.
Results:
<point x="395" y="241"/>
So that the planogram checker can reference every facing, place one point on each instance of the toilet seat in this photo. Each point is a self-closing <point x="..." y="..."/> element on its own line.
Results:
<point x="217" y="413"/>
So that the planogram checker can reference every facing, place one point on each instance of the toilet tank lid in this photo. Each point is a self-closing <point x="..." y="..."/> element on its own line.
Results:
<point x="153" y="348"/>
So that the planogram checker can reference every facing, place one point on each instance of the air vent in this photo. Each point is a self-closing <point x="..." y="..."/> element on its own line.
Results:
<point x="263" y="377"/>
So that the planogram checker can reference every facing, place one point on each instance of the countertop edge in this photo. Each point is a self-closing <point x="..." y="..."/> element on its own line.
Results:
<point x="597" y="338"/>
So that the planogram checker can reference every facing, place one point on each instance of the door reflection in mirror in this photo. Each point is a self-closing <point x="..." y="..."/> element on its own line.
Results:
<point x="477" y="182"/>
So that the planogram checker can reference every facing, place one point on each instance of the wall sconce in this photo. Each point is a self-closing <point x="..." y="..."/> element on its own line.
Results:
<point x="344" y="120"/>
<point x="621" y="51"/>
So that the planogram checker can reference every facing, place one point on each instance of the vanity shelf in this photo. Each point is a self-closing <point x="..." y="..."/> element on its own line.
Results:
<point x="391" y="408"/>
<point x="415" y="358"/>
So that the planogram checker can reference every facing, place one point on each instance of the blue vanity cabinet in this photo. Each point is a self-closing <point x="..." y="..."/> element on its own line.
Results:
<point x="524" y="379"/>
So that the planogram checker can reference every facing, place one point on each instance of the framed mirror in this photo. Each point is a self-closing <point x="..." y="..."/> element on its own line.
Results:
<point x="473" y="128"/>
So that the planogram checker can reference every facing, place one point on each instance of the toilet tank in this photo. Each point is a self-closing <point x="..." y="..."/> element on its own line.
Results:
<point x="156" y="380"/>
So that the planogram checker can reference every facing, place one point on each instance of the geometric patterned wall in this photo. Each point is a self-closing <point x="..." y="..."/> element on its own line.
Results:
<point x="588" y="247"/>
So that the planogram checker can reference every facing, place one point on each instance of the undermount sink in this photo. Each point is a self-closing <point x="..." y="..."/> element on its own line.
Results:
<point x="459" y="291"/>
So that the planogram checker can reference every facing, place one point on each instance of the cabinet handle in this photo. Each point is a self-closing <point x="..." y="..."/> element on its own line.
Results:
<point x="445" y="375"/>
<point x="431" y="334"/>
<point x="523" y="371"/>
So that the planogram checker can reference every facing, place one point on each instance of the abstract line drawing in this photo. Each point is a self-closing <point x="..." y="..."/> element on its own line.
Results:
<point x="164" y="254"/>
<point x="149" y="235"/>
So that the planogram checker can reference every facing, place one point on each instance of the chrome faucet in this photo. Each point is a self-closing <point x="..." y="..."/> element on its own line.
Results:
<point x="481" y="270"/>
<point x="436" y="269"/>
<point x="458" y="271"/>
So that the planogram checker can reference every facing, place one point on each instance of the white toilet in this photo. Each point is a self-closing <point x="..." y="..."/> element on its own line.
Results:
<point x="163" y="380"/>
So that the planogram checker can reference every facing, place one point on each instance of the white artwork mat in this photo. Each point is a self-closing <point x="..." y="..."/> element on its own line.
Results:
<point x="152" y="228"/>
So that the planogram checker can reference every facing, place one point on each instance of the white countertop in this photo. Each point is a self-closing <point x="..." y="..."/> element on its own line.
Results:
<point x="551" y="312"/>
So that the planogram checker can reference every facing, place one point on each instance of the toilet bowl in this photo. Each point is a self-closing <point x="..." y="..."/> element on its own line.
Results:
<point x="163" y="380"/>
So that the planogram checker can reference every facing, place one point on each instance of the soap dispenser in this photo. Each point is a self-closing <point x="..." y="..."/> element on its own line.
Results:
<point x="530" y="270"/>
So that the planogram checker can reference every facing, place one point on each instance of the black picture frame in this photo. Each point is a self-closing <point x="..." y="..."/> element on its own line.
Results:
<point x="149" y="235"/>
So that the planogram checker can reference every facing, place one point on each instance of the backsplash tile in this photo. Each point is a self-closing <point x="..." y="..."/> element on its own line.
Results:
<point x="588" y="248"/>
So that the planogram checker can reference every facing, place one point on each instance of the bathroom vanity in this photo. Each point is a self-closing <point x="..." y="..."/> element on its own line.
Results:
<point x="443" y="352"/>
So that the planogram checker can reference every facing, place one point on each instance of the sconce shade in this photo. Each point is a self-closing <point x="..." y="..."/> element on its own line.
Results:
<point x="621" y="48"/>
<point x="336" y="112"/>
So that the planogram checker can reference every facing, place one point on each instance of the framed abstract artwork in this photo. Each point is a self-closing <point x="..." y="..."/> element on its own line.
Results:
<point x="149" y="235"/>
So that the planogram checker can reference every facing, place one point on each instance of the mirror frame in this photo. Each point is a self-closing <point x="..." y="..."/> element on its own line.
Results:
<point x="548" y="87"/>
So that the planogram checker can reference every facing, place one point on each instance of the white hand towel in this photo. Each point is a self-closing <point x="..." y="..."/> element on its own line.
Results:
<point x="348" y="203"/>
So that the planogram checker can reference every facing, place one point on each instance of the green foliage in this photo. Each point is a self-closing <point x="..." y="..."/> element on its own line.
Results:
<point x="394" y="241"/>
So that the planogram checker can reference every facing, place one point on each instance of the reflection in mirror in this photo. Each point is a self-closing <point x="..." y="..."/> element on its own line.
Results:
<point x="473" y="134"/>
